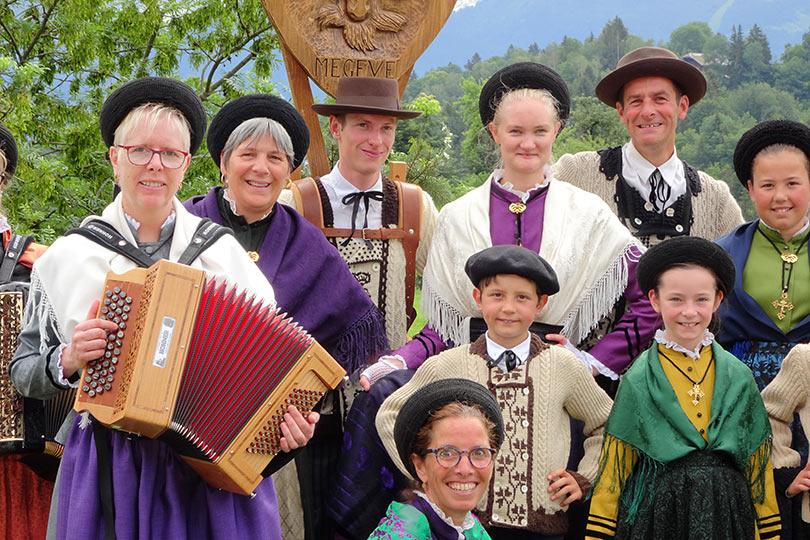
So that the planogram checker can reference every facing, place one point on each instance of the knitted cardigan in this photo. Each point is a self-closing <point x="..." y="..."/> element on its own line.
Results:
<point x="714" y="210"/>
<point x="536" y="400"/>
<point x="789" y="393"/>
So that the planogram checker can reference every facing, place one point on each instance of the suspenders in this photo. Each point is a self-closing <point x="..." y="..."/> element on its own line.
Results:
<point x="308" y="202"/>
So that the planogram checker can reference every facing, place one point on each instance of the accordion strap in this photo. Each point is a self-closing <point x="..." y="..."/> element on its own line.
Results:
<point x="105" y="483"/>
<point x="205" y="236"/>
<point x="105" y="234"/>
<point x="15" y="248"/>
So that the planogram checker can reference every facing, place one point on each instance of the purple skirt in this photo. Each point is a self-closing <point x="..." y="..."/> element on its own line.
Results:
<point x="156" y="495"/>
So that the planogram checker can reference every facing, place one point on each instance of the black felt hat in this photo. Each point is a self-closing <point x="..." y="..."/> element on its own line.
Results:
<point x="244" y="108"/>
<point x="432" y="397"/>
<point x="685" y="250"/>
<point x="9" y="147"/>
<point x="523" y="75"/>
<point x="509" y="259"/>
<point x="651" y="62"/>
<point x="763" y="135"/>
<point x="153" y="90"/>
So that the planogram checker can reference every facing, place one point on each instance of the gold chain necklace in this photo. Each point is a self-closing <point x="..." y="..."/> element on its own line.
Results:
<point x="788" y="259"/>
<point x="695" y="393"/>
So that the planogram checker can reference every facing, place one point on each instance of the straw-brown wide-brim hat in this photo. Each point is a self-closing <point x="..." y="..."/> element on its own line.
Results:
<point x="651" y="62"/>
<point x="370" y="95"/>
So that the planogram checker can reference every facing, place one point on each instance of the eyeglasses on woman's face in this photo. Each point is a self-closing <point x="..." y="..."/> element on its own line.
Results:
<point x="449" y="456"/>
<point x="142" y="155"/>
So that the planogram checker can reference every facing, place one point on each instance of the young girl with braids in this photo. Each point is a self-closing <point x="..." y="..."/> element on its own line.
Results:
<point x="687" y="445"/>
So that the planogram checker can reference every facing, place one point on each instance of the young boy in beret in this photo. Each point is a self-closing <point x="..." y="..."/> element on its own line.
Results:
<point x="537" y="386"/>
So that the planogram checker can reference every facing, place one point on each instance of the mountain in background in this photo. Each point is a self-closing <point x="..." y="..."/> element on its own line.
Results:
<point x="488" y="27"/>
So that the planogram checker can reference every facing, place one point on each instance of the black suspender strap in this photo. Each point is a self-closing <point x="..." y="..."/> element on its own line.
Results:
<point x="14" y="250"/>
<point x="205" y="236"/>
<point x="103" y="233"/>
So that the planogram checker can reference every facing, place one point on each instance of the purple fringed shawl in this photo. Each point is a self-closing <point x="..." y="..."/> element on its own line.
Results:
<point x="313" y="285"/>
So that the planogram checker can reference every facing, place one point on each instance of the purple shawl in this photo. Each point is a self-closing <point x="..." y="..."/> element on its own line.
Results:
<point x="313" y="285"/>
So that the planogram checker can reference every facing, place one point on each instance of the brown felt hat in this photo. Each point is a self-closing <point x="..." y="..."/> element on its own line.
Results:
<point x="651" y="62"/>
<point x="371" y="95"/>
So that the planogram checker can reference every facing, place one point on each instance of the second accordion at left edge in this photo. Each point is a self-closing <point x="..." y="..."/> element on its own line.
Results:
<point x="203" y="367"/>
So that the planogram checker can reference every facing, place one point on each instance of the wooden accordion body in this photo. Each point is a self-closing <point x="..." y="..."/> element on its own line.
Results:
<point x="26" y="425"/>
<point x="203" y="368"/>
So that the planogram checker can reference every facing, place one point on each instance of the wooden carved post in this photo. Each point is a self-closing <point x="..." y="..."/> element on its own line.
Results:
<point x="325" y="40"/>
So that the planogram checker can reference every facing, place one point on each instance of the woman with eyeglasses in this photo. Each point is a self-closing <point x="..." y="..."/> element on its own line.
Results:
<point x="446" y="435"/>
<point x="112" y="483"/>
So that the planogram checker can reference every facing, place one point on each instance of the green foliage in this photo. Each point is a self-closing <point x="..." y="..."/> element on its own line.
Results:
<point x="60" y="59"/>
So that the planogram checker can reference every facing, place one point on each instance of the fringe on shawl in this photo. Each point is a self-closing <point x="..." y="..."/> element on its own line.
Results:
<point x="599" y="300"/>
<point x="362" y="343"/>
<point x="39" y="305"/>
<point x="443" y="317"/>
<point x="646" y="471"/>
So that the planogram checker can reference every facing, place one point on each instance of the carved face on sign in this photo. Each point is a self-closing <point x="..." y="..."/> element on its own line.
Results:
<point x="371" y="38"/>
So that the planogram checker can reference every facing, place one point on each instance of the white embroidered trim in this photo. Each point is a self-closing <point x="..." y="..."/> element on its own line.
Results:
<point x="232" y="205"/>
<point x="592" y="363"/>
<point x="469" y="520"/>
<point x="62" y="379"/>
<point x="137" y="224"/>
<point x="661" y="337"/>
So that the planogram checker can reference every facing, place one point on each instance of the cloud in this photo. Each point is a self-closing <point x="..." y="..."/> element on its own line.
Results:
<point x="461" y="4"/>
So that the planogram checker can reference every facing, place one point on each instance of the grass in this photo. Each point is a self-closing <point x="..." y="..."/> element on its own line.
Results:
<point x="420" y="319"/>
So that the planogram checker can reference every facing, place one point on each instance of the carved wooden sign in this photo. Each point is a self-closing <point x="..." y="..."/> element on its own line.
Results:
<point x="373" y="38"/>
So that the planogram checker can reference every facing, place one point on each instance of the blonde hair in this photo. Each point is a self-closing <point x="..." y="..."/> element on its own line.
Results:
<point x="152" y="114"/>
<point x="522" y="94"/>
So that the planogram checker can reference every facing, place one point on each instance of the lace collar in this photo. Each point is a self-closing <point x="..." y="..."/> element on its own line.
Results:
<point x="661" y="337"/>
<point x="135" y="224"/>
<point x="469" y="520"/>
<point x="232" y="206"/>
<point x="522" y="195"/>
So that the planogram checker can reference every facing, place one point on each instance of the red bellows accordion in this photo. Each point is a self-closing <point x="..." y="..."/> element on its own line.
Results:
<point x="26" y="425"/>
<point x="204" y="368"/>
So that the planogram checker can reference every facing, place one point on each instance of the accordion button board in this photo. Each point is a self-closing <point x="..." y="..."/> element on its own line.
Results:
<point x="205" y="368"/>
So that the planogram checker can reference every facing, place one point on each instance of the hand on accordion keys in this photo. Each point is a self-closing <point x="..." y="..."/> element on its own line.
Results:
<point x="296" y="429"/>
<point x="89" y="340"/>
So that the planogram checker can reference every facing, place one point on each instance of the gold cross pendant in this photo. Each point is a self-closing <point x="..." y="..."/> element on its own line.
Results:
<point x="782" y="305"/>
<point x="696" y="394"/>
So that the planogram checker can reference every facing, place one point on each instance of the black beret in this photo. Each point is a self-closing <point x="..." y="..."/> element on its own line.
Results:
<point x="9" y="147"/>
<point x="509" y="259"/>
<point x="432" y="397"/>
<point x="523" y="75"/>
<point x="763" y="135"/>
<point x="685" y="250"/>
<point x="153" y="90"/>
<point x="233" y="113"/>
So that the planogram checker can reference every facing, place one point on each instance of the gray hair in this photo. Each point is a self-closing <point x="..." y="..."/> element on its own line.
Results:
<point x="255" y="128"/>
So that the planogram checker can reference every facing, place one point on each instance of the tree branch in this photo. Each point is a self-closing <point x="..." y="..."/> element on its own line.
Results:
<point x="213" y="87"/>
<point x="40" y="31"/>
<point x="10" y="38"/>
<point x="148" y="50"/>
